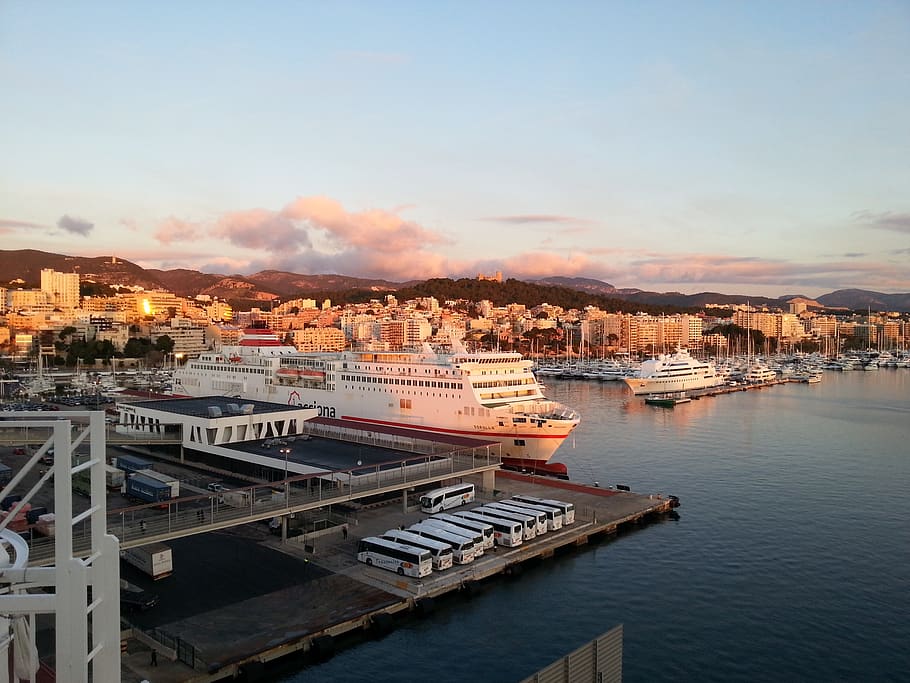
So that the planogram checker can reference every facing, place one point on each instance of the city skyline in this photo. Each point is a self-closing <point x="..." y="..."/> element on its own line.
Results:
<point x="742" y="149"/>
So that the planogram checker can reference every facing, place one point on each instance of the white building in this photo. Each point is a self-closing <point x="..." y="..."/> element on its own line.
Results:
<point x="62" y="288"/>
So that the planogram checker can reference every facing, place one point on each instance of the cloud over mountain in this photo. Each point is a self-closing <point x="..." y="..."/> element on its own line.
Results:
<point x="76" y="226"/>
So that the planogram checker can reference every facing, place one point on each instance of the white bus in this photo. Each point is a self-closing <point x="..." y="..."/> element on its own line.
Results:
<point x="441" y="552"/>
<point x="475" y="536"/>
<point x="462" y="546"/>
<point x="396" y="557"/>
<point x="438" y="500"/>
<point x="506" y="532"/>
<point x="567" y="509"/>
<point x="528" y="524"/>
<point x="483" y="528"/>
<point x="540" y="518"/>
<point x="554" y="516"/>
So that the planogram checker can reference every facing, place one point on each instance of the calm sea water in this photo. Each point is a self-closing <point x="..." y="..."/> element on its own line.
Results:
<point x="790" y="559"/>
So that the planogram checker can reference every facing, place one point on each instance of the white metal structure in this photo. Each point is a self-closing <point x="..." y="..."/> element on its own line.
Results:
<point x="554" y="516"/>
<point x="506" y="532"/>
<point x="447" y="497"/>
<point x="474" y="536"/>
<point x="441" y="552"/>
<point x="483" y="528"/>
<point x="406" y="560"/>
<point x="87" y="633"/>
<point x="540" y="518"/>
<point x="567" y="509"/>
<point x="462" y="546"/>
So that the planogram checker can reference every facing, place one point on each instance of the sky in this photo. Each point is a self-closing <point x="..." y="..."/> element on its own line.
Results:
<point x="739" y="147"/>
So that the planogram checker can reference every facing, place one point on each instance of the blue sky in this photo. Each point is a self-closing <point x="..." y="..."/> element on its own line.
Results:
<point x="700" y="146"/>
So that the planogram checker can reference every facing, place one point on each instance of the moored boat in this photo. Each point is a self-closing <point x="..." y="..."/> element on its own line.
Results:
<point x="676" y="372"/>
<point x="491" y="396"/>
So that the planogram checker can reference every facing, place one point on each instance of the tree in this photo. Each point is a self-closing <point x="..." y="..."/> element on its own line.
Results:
<point x="137" y="347"/>
<point x="164" y="344"/>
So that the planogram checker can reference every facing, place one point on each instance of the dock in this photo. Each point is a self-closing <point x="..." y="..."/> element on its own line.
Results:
<point x="314" y="596"/>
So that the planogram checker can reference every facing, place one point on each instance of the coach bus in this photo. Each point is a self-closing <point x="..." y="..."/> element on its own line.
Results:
<point x="506" y="532"/>
<point x="475" y="536"/>
<point x="540" y="518"/>
<point x="462" y="546"/>
<point x="567" y="509"/>
<point x="441" y="552"/>
<point x="528" y="523"/>
<point x="406" y="560"/>
<point x="438" y="500"/>
<point x="484" y="529"/>
<point x="553" y="515"/>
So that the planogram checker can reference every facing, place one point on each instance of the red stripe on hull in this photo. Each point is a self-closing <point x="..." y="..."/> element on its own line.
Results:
<point x="462" y="432"/>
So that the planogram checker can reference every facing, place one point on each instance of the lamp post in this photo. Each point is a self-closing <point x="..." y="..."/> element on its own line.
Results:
<point x="286" y="452"/>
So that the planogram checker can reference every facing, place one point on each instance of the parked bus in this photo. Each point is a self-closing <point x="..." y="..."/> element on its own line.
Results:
<point x="567" y="509"/>
<point x="462" y="546"/>
<point x="438" y="500"/>
<point x="441" y="552"/>
<point x="554" y="516"/>
<point x="485" y="530"/>
<point x="540" y="518"/>
<point x="528" y="523"/>
<point x="506" y="532"/>
<point x="475" y="536"/>
<point x="396" y="557"/>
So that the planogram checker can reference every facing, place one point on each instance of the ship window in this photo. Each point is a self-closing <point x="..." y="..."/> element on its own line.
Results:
<point x="519" y="442"/>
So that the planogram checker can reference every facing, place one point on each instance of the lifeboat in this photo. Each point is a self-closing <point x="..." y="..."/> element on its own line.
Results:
<point x="301" y="373"/>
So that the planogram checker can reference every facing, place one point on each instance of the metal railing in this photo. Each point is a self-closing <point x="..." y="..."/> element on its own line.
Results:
<point x="155" y="522"/>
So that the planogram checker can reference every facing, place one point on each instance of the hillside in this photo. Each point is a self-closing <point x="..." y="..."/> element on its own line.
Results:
<point x="251" y="290"/>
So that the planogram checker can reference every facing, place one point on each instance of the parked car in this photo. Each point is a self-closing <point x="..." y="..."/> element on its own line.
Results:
<point x="217" y="488"/>
<point x="134" y="599"/>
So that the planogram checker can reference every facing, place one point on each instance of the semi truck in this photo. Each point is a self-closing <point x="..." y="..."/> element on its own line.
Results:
<point x="173" y="482"/>
<point x="130" y="463"/>
<point x="155" y="559"/>
<point x="113" y="479"/>
<point x="146" y="489"/>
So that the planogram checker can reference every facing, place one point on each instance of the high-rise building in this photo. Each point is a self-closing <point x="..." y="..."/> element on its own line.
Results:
<point x="61" y="288"/>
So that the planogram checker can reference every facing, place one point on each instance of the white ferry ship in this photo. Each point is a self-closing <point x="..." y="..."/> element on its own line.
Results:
<point x="484" y="395"/>
<point x="675" y="372"/>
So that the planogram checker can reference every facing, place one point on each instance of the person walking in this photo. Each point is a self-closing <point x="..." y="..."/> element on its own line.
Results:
<point x="344" y="532"/>
<point x="142" y="525"/>
<point x="154" y="661"/>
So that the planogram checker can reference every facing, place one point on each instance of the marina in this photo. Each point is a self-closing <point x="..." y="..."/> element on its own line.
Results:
<point x="329" y="555"/>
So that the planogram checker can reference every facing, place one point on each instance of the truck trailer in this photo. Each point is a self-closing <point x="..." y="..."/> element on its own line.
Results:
<point x="171" y="481"/>
<point x="146" y="489"/>
<point x="130" y="463"/>
<point x="114" y="477"/>
<point x="155" y="559"/>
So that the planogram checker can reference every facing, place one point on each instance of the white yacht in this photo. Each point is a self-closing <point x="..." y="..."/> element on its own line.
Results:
<point x="676" y="372"/>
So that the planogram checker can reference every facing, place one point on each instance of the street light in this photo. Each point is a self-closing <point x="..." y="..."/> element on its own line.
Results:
<point x="286" y="452"/>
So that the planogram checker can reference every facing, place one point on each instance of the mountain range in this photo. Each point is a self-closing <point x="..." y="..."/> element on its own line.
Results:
<point x="23" y="268"/>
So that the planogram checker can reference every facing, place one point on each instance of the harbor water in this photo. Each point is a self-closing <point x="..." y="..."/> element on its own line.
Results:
<point x="790" y="559"/>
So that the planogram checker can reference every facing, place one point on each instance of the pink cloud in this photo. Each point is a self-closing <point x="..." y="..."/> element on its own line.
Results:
<point x="175" y="230"/>
<point x="261" y="229"/>
<point x="544" y="264"/>
<point x="8" y="224"/>
<point x="373" y="229"/>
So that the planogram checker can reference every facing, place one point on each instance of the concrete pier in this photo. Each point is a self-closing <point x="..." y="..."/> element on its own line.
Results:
<point x="302" y="596"/>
